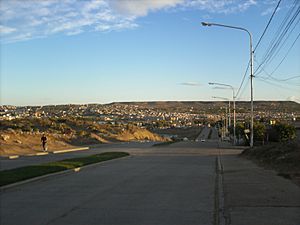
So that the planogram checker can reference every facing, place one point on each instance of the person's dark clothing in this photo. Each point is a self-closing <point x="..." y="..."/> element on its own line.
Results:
<point x="44" y="142"/>
<point x="44" y="139"/>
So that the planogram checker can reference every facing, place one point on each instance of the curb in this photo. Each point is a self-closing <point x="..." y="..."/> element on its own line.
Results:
<point x="71" y="150"/>
<point x="64" y="172"/>
<point x="46" y="153"/>
<point x="39" y="153"/>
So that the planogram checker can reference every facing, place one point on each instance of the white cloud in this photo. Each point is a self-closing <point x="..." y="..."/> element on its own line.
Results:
<point x="190" y="84"/>
<point x="221" y="6"/>
<point x="6" y="30"/>
<point x="74" y="32"/>
<point x="41" y="18"/>
<point x="142" y="7"/>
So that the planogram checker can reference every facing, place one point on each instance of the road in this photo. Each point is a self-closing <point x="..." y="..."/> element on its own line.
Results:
<point x="176" y="184"/>
<point x="157" y="185"/>
<point x="204" y="135"/>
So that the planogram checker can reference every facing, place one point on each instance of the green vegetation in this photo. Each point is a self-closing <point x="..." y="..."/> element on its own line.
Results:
<point x="259" y="131"/>
<point x="264" y="132"/>
<point x="285" y="132"/>
<point x="27" y="172"/>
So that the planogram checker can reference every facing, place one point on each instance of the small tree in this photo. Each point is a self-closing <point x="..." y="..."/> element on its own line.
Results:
<point x="259" y="131"/>
<point x="285" y="132"/>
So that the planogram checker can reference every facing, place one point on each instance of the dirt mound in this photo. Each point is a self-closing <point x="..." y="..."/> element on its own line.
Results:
<point x="136" y="133"/>
<point x="88" y="139"/>
<point x="27" y="142"/>
<point x="282" y="157"/>
<point x="21" y="143"/>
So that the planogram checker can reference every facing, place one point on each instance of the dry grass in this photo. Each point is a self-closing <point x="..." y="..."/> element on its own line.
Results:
<point x="12" y="143"/>
<point x="282" y="157"/>
<point x="16" y="142"/>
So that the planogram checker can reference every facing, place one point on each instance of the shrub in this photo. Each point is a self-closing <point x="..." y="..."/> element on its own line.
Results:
<point x="259" y="131"/>
<point x="285" y="132"/>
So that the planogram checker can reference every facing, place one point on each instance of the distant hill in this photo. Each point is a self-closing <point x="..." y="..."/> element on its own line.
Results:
<point x="214" y="106"/>
<point x="211" y="107"/>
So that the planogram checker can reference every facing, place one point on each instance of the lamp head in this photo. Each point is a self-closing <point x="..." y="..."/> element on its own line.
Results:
<point x="205" y="24"/>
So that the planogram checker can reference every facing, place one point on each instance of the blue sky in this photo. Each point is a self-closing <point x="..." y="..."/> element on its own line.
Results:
<point x="57" y="52"/>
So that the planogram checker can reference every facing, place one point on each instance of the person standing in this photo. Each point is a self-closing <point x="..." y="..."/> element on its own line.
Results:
<point x="44" y="142"/>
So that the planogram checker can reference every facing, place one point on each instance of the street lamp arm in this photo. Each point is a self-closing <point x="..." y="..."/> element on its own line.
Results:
<point x="221" y="98"/>
<point x="226" y="85"/>
<point x="228" y="26"/>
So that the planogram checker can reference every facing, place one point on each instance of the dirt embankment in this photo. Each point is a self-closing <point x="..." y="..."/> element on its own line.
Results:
<point x="179" y="133"/>
<point x="28" y="142"/>
<point x="282" y="157"/>
<point x="22" y="143"/>
<point x="139" y="134"/>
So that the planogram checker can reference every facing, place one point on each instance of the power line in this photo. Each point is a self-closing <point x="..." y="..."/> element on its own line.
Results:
<point x="275" y="10"/>
<point x="270" y="77"/>
<point x="282" y="80"/>
<point x="279" y="48"/>
<point x="243" y="90"/>
<point x="267" y="26"/>
<point x="276" y="85"/>
<point x="273" y="49"/>
<point x="237" y="93"/>
<point x="280" y="35"/>
<point x="286" y="54"/>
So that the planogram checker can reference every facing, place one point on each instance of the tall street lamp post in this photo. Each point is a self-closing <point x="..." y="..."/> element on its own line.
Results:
<point x="227" y="124"/>
<point x="233" y="99"/>
<point x="251" y="68"/>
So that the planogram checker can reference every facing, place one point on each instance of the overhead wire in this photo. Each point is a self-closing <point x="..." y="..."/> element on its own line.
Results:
<point x="275" y="10"/>
<point x="270" y="77"/>
<point x="243" y="90"/>
<point x="269" y="22"/>
<point x="245" y="74"/>
<point x="276" y="43"/>
<point x="276" y="85"/>
<point x="280" y="47"/>
<point x="279" y="64"/>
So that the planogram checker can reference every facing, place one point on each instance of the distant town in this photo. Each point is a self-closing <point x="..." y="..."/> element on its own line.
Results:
<point x="164" y="114"/>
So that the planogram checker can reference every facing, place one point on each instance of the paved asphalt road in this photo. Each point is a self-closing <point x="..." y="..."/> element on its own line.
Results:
<point x="136" y="190"/>
<point x="159" y="185"/>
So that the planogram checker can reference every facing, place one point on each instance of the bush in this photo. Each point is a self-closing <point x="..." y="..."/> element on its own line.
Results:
<point x="259" y="131"/>
<point x="285" y="132"/>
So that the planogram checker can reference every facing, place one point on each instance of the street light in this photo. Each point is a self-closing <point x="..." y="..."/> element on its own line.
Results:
<point x="251" y="68"/>
<point x="228" y="121"/>
<point x="233" y="98"/>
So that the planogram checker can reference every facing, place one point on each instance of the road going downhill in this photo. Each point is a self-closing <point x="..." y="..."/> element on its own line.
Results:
<point x="175" y="184"/>
<point x="146" y="189"/>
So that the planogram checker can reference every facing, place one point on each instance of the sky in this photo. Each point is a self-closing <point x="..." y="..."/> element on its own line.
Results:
<point x="102" y="51"/>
